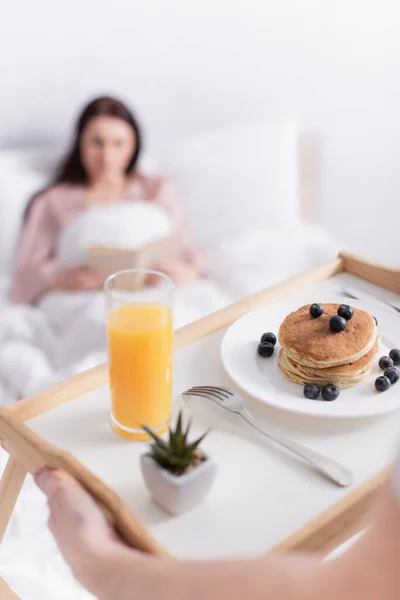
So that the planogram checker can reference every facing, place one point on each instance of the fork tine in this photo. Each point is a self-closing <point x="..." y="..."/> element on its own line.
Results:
<point x="208" y="391"/>
<point x="213" y="388"/>
<point x="193" y="393"/>
<point x="228" y="391"/>
<point x="203" y="395"/>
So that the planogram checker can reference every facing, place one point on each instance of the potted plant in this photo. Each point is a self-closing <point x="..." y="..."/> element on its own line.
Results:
<point x="178" y="475"/>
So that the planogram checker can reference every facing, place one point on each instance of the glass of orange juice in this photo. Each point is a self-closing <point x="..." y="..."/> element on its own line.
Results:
<point x="139" y="337"/>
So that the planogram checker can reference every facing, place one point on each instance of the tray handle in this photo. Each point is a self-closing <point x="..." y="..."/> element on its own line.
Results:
<point x="32" y="452"/>
<point x="385" y="277"/>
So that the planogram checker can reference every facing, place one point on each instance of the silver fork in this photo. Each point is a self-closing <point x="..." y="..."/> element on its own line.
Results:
<point x="233" y="402"/>
<point x="360" y="295"/>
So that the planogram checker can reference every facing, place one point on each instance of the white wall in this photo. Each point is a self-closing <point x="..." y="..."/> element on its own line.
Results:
<point x="335" y="64"/>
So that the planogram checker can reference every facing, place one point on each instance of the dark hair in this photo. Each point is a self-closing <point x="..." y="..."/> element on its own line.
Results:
<point x="72" y="170"/>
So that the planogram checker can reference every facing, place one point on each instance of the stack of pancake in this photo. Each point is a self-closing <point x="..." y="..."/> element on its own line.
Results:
<point x="312" y="353"/>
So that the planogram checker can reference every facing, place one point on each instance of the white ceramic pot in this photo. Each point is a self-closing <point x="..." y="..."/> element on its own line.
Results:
<point x="178" y="493"/>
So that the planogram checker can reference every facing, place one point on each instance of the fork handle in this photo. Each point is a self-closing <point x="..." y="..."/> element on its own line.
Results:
<point x="328" y="467"/>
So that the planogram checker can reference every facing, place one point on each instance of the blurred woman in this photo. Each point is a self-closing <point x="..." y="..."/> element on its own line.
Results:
<point x="100" y="169"/>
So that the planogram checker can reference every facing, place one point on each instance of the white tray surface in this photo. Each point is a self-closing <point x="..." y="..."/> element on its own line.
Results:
<point x="261" y="494"/>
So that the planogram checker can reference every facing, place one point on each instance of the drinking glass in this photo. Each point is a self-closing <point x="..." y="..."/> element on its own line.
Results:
<point x="139" y="337"/>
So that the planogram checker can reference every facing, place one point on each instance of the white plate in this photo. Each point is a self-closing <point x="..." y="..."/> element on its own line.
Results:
<point x="261" y="378"/>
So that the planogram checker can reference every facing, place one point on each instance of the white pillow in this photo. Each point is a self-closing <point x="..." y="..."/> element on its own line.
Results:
<point x="233" y="178"/>
<point x="256" y="259"/>
<point x="18" y="182"/>
<point x="124" y="225"/>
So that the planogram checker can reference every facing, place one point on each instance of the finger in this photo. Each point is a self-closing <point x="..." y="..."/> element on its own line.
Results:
<point x="48" y="480"/>
<point x="61" y="489"/>
<point x="93" y="277"/>
<point x="84" y="284"/>
<point x="79" y="527"/>
<point x="67" y="497"/>
<point x="90" y="272"/>
<point x="88" y="283"/>
<point x="165" y="263"/>
<point x="73" y="512"/>
<point x="93" y="285"/>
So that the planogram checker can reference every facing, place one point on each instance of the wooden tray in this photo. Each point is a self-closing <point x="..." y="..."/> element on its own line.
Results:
<point x="343" y="511"/>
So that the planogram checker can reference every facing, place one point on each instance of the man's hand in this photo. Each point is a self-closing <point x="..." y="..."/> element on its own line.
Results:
<point x="98" y="559"/>
<point x="84" y="537"/>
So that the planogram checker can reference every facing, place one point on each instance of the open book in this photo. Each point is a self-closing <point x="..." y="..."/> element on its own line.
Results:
<point x="108" y="260"/>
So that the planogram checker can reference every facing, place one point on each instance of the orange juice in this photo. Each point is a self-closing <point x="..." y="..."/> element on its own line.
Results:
<point x="140" y="366"/>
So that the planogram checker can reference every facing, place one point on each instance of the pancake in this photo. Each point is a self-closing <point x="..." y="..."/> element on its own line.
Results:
<point x="343" y="376"/>
<point x="348" y="369"/>
<point x="310" y="342"/>
<point x="339" y="380"/>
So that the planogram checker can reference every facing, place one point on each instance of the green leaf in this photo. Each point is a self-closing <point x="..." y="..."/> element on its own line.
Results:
<point x="155" y="437"/>
<point x="178" y="429"/>
<point x="189" y="425"/>
<point x="176" y="454"/>
<point x="173" y="442"/>
<point x="160" y="453"/>
<point x="194" y="445"/>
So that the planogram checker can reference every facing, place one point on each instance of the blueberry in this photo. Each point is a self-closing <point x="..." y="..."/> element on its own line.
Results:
<point x="376" y="321"/>
<point x="337" y="323"/>
<point x="395" y="356"/>
<point x="392" y="374"/>
<point x="265" y="349"/>
<point x="330" y="392"/>
<point x="385" y="362"/>
<point x="311" y="391"/>
<point x="345" y="311"/>
<point x="316" y="310"/>
<point x="382" y="383"/>
<point x="268" y="337"/>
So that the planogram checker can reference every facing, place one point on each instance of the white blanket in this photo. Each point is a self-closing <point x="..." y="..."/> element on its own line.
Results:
<point x="29" y="558"/>
<point x="65" y="335"/>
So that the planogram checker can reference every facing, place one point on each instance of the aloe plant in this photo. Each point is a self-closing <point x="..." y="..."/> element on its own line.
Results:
<point x="176" y="455"/>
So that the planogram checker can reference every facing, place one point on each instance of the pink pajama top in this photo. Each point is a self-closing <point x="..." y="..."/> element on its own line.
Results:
<point x="36" y="268"/>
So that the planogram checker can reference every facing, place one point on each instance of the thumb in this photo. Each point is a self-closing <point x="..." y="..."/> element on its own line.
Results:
<point x="51" y="480"/>
<point x="64" y="493"/>
<point x="70" y="505"/>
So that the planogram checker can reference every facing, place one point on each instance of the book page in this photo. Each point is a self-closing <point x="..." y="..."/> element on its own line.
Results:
<point x="108" y="260"/>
